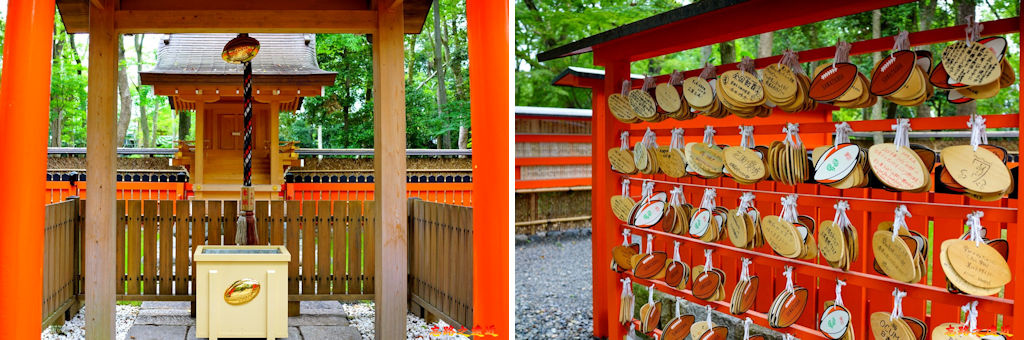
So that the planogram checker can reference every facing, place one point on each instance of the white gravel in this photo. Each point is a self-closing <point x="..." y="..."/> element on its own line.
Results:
<point x="361" y="316"/>
<point x="75" y="328"/>
<point x="554" y="295"/>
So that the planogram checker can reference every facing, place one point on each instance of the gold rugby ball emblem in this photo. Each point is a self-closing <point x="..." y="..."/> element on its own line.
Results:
<point x="242" y="291"/>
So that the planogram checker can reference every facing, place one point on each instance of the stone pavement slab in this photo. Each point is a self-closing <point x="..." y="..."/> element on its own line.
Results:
<point x="165" y="320"/>
<point x="318" y="320"/>
<point x="180" y="305"/>
<point x="156" y="332"/>
<point x="330" y="332"/>
<point x="293" y="334"/>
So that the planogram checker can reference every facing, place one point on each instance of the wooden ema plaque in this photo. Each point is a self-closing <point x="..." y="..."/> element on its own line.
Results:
<point x="779" y="81"/>
<point x="678" y="328"/>
<point x="832" y="82"/>
<point x="892" y="72"/>
<point x="970" y="63"/>
<point x="897" y="167"/>
<point x="621" y="161"/>
<point x="883" y="327"/>
<point x="979" y="170"/>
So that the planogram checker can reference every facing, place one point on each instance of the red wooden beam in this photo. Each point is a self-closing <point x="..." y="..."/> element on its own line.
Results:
<point x="733" y="22"/>
<point x="552" y="183"/>
<point x="935" y="36"/>
<point x="24" y="108"/>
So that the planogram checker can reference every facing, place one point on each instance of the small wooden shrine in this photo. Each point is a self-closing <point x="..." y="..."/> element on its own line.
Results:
<point x="191" y="73"/>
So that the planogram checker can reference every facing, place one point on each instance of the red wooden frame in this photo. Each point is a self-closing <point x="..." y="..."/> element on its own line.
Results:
<point x="867" y="291"/>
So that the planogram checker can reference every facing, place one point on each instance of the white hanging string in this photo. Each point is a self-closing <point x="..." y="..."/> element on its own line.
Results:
<point x="900" y="220"/>
<point x="677" y="306"/>
<point x="677" y="139"/>
<point x="839" y="292"/>
<point x="788" y="336"/>
<point x="674" y="195"/>
<point x="710" y="324"/>
<point x="902" y="128"/>
<point x="977" y="231"/>
<point x="675" y="252"/>
<point x="647" y="189"/>
<point x="650" y="243"/>
<point x="650" y="295"/>
<point x="789" y="279"/>
<point x="709" y="135"/>
<point x="625" y="187"/>
<point x="747" y="136"/>
<point x="708" y="201"/>
<point x="970" y="315"/>
<point x="842" y="133"/>
<point x="650" y="139"/>
<point x="746" y="202"/>
<point x="707" y="260"/>
<point x="792" y="131"/>
<point x="648" y="82"/>
<point x="789" y="213"/>
<point x="842" y="53"/>
<point x="841" y="220"/>
<point x="626" y="84"/>
<point x="632" y="331"/>
<point x="624" y="140"/>
<point x="973" y="29"/>
<point x="897" y="303"/>
<point x="791" y="59"/>
<point x="676" y="78"/>
<point x="901" y="42"/>
<point x="746" y="65"/>
<point x="745" y="269"/>
<point x="625" y="237"/>
<point x="709" y="71"/>
<point x="978" y="133"/>
<point x="746" y="328"/>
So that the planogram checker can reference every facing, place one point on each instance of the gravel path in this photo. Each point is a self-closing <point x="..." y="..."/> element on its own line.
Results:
<point x="553" y="288"/>
<point x="361" y="315"/>
<point x="75" y="328"/>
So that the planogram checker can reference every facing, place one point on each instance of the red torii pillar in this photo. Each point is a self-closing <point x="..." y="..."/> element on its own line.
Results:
<point x="24" y="124"/>
<point x="489" y="71"/>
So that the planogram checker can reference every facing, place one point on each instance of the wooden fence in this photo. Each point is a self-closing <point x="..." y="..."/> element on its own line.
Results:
<point x="331" y="244"/>
<point x="441" y="261"/>
<point x="60" y="250"/>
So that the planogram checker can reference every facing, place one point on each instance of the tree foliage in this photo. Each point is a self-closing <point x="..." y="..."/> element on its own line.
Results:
<point x="543" y="25"/>
<point x="344" y="113"/>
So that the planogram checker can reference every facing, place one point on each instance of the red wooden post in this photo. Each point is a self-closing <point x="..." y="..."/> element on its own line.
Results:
<point x="605" y="130"/>
<point x="1013" y="234"/>
<point x="489" y="72"/>
<point x="24" y="112"/>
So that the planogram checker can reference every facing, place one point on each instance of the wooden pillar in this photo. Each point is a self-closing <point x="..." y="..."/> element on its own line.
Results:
<point x="276" y="172"/>
<point x="200" y="142"/>
<point x="24" y="108"/>
<point x="102" y="168"/>
<point x="488" y="38"/>
<point x="605" y="135"/>
<point x="391" y="272"/>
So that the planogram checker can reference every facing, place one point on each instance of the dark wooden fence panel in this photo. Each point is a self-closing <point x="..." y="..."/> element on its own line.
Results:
<point x="440" y="265"/>
<point x="59" y="260"/>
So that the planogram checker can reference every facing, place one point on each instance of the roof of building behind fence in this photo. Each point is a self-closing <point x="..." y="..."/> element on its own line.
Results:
<point x="192" y="58"/>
